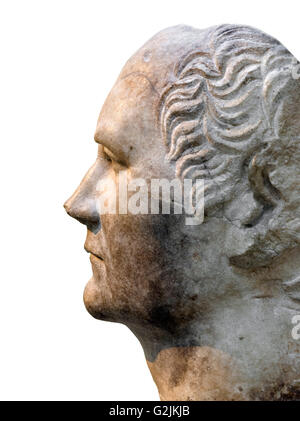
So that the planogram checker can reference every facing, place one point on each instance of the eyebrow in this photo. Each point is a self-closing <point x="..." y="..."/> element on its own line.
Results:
<point x="100" y="140"/>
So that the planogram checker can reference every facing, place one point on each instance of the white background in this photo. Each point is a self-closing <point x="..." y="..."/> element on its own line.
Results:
<point x="58" y="62"/>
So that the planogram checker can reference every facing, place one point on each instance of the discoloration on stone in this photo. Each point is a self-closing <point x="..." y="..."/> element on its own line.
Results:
<point x="196" y="373"/>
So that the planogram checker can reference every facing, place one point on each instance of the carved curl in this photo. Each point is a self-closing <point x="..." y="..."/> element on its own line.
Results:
<point x="223" y="109"/>
<point x="224" y="105"/>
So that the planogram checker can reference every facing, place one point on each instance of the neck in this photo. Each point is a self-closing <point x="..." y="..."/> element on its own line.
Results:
<point x="242" y="349"/>
<point x="195" y="373"/>
<point x="247" y="353"/>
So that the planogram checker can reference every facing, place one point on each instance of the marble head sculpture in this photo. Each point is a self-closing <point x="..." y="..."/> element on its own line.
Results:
<point x="212" y="304"/>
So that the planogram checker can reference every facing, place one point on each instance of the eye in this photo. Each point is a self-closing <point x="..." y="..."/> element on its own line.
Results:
<point x="107" y="155"/>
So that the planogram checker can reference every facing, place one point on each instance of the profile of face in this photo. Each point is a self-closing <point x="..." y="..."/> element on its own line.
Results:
<point x="221" y="105"/>
<point x="130" y="254"/>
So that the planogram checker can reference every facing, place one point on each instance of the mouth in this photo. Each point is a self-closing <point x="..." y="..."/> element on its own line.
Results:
<point x="94" y="255"/>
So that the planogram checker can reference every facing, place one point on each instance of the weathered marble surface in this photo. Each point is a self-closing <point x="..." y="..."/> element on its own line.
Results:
<point x="211" y="304"/>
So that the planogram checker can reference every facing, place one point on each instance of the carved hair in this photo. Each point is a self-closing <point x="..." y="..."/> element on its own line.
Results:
<point x="226" y="107"/>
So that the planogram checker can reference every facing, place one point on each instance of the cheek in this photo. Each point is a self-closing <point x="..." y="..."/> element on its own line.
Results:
<point x="137" y="258"/>
<point x="142" y="257"/>
<point x="139" y="279"/>
<point x="133" y="249"/>
<point x="125" y="285"/>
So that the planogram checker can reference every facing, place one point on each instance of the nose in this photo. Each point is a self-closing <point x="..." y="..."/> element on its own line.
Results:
<point x="82" y="209"/>
<point x="82" y="204"/>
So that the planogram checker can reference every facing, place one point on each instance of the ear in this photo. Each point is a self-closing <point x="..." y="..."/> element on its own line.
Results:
<point x="274" y="198"/>
<point x="254" y="197"/>
<point x="273" y="217"/>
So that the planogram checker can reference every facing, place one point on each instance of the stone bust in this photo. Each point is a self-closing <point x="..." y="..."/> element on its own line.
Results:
<point x="212" y="304"/>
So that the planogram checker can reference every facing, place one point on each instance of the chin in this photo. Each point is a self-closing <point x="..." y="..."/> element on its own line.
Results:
<point x="99" y="304"/>
<point x="93" y="301"/>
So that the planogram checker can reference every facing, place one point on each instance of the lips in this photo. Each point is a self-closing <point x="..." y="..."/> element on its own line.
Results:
<point x="95" y="255"/>
<point x="92" y="253"/>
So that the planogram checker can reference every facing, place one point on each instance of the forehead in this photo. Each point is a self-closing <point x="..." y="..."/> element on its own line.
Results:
<point x="129" y="115"/>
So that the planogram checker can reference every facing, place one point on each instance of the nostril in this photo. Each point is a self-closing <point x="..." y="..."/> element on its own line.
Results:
<point x="93" y="224"/>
